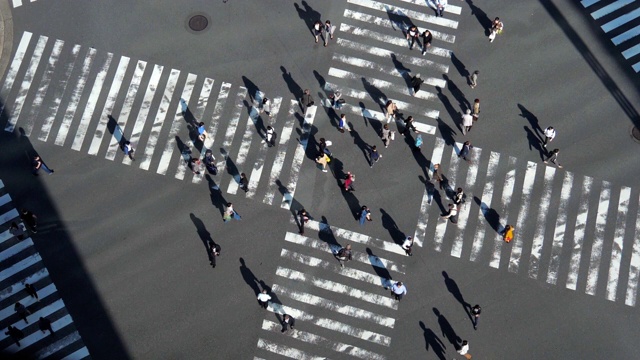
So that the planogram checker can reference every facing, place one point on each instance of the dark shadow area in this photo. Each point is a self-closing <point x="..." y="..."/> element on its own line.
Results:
<point x="463" y="103"/>
<point x="308" y="14"/>
<point x="232" y="169"/>
<point x="252" y="88"/>
<point x="205" y="237"/>
<point x="462" y="69"/>
<point x="432" y="340"/>
<point x="390" y="225"/>
<point x="455" y="291"/>
<point x="217" y="198"/>
<point x="261" y="130"/>
<point x="326" y="234"/>
<point x="380" y="269"/>
<point x="533" y="121"/>
<point x="334" y="117"/>
<point x="113" y="128"/>
<point x="490" y="214"/>
<point x="359" y="142"/>
<point x="399" y="19"/>
<point x="185" y="151"/>
<point x="534" y="143"/>
<point x="187" y="114"/>
<point x="275" y="301"/>
<point x="351" y="200"/>
<point x="419" y="157"/>
<point x="376" y="94"/>
<point x="482" y="17"/>
<point x="453" y="113"/>
<point x="447" y="329"/>
<point x="403" y="70"/>
<point x="446" y="132"/>
<point x="293" y="86"/>
<point x="249" y="277"/>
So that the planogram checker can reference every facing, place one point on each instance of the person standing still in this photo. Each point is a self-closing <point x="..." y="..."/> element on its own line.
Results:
<point x="553" y="157"/>
<point x="263" y="299"/>
<point x="39" y="164"/>
<point x="407" y="245"/>
<point x="475" y="315"/>
<point x="549" y="135"/>
<point x="328" y="30"/>
<point x="303" y="218"/>
<point x="398" y="290"/>
<point x="215" y="251"/>
<point x="464" y="349"/>
<point x="317" y="30"/>
<point x="427" y="37"/>
<point x="467" y="122"/>
<point x="473" y="79"/>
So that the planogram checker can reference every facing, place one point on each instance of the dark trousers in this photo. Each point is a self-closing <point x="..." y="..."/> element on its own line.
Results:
<point x="264" y="304"/>
<point x="285" y="325"/>
<point x="413" y="41"/>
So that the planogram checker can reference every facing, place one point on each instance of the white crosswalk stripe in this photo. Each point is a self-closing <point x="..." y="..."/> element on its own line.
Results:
<point x="20" y="264"/>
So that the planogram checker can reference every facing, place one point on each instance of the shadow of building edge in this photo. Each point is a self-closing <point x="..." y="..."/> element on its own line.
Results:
<point x="82" y="300"/>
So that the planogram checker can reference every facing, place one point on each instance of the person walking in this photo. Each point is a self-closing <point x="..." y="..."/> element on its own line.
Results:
<point x="391" y="110"/>
<point x="407" y="245"/>
<point x="365" y="215"/>
<point x="408" y="125"/>
<point x="128" y="150"/>
<point x="230" y="213"/>
<point x="317" y="30"/>
<point x="17" y="230"/>
<point x="398" y="290"/>
<point x="348" y="182"/>
<point x="452" y="214"/>
<point x="476" y="109"/>
<point x="336" y="100"/>
<point x="473" y="79"/>
<point x="303" y="218"/>
<point x="344" y="255"/>
<point x="418" y="144"/>
<point x="465" y="151"/>
<point x="328" y="30"/>
<point x="553" y="157"/>
<point x="244" y="182"/>
<point x="467" y="122"/>
<point x="437" y="175"/>
<point x="202" y="131"/>
<point x="412" y="35"/>
<point x="271" y="136"/>
<point x="15" y="333"/>
<point x="39" y="164"/>
<point x="496" y="28"/>
<point x="22" y="311"/>
<point x="289" y="321"/>
<point x="475" y="315"/>
<point x="307" y="99"/>
<point x="210" y="162"/>
<point x="507" y="234"/>
<point x="386" y="135"/>
<point x="440" y="5"/>
<point x="459" y="198"/>
<point x="416" y="81"/>
<point x="374" y="155"/>
<point x="30" y="220"/>
<point x="342" y="124"/>
<point x="215" y="252"/>
<point x="323" y="147"/>
<point x="323" y="159"/>
<point x="195" y="164"/>
<point x="263" y="299"/>
<point x="427" y="37"/>
<point x="464" y="349"/>
<point x="549" y="135"/>
<point x="265" y="106"/>
<point x="44" y="325"/>
<point x="32" y="291"/>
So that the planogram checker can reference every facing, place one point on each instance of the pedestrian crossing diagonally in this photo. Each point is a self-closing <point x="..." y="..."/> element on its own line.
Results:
<point x="620" y="21"/>
<point x="570" y="230"/>
<point x="347" y="309"/>
<point x="94" y="101"/>
<point x="372" y="62"/>
<point x="21" y="264"/>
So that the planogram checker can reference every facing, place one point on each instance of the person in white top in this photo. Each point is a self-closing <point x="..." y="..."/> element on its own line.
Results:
<point x="263" y="299"/>
<point x="440" y="5"/>
<point x="398" y="290"/>
<point x="464" y="350"/>
<point x="549" y="134"/>
<point x="467" y="122"/>
<point x="407" y="244"/>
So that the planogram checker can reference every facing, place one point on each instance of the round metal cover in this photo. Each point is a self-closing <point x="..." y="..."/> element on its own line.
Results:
<point x="198" y="22"/>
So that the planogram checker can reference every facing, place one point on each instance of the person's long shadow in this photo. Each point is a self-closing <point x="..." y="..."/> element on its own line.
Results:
<point x="359" y="142"/>
<point x="429" y="188"/>
<point x="391" y="226"/>
<point x="462" y="69"/>
<point x="230" y="165"/>
<point x="376" y="94"/>
<point x="185" y="151"/>
<point x="217" y="199"/>
<point x="326" y="234"/>
<point x="329" y="110"/>
<point x="293" y="86"/>
<point x="380" y="269"/>
<point x="446" y="132"/>
<point x="431" y="339"/>
<point x="399" y="19"/>
<point x="453" y="113"/>
<point x="447" y="329"/>
<point x="351" y="200"/>
<point x="534" y="143"/>
<point x="187" y="114"/>
<point x="252" y="88"/>
<point x="455" y="291"/>
<point x="403" y="70"/>
<point x="482" y="17"/>
<point x="490" y="214"/>
<point x="205" y="236"/>
<point x="533" y="121"/>
<point x="249" y="277"/>
<point x="253" y="113"/>
<point x="307" y="14"/>
<point x="419" y="157"/>
<point x="458" y="94"/>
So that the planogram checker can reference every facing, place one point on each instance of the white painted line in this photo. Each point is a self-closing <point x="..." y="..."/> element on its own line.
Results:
<point x="53" y="348"/>
<point x="178" y="119"/>
<point x="5" y="199"/>
<point x="278" y="162"/>
<point x="507" y="192"/>
<point x="375" y="5"/>
<point x="423" y="216"/>
<point x="201" y="105"/>
<point x="631" y="52"/>
<point x="618" y="240"/>
<point x="393" y="40"/>
<point x="331" y="324"/>
<point x="357" y="256"/>
<point x="143" y="113"/>
<point x="286" y="351"/>
<point x="485" y="206"/>
<point x="450" y="8"/>
<point x="578" y="234"/>
<point x="298" y="157"/>
<point x="108" y="105"/>
<point x="26" y="83"/>
<point x="621" y="20"/>
<point x="636" y="67"/>
<point x="388" y="55"/>
<point x="634" y="268"/>
<point x="19" y="266"/>
<point x="15" y="249"/>
<point x="58" y="95"/>
<point x="629" y="34"/>
<point x="538" y="237"/>
<point x="16" y="3"/>
<point x="258" y="165"/>
<point x="610" y="8"/>
<point x="90" y="106"/>
<point x="28" y="300"/>
<point x="245" y="144"/>
<point x="587" y="3"/>
<point x="161" y="116"/>
<point x="43" y="87"/>
<point x="523" y="213"/>
<point x="559" y="232"/>
<point x="13" y="72"/>
<point x="78" y="354"/>
<point x="441" y="225"/>
<point x="371" y="19"/>
<point x="19" y="286"/>
<point x="8" y="216"/>
<point x="381" y="84"/>
<point x="318" y="340"/>
<point x="598" y="238"/>
<point x="327" y="304"/>
<point x="38" y="335"/>
<point x="231" y="128"/>
<point x="338" y="288"/>
<point x="463" y="214"/>
<point x="75" y="97"/>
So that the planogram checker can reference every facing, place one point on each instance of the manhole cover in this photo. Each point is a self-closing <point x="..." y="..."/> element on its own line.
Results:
<point x="635" y="132"/>
<point x="198" y="22"/>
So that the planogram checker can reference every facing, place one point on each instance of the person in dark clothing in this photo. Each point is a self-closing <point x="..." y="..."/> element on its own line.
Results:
<point x="16" y="230"/>
<point x="287" y="320"/>
<point x="45" y="324"/>
<point x="466" y="149"/>
<point x="215" y="251"/>
<point x="307" y="99"/>
<point x="39" y="164"/>
<point x="553" y="157"/>
<point x="374" y="155"/>
<point x="32" y="291"/>
<point x="416" y="81"/>
<point x="15" y="333"/>
<point x="408" y="125"/>
<point x="30" y="220"/>
<point x="344" y="255"/>
<point x="303" y="217"/>
<point x="412" y="35"/>
<point x="22" y="311"/>
<point x="210" y="162"/>
<point x="427" y="37"/>
<point x="244" y="182"/>
<point x="475" y="315"/>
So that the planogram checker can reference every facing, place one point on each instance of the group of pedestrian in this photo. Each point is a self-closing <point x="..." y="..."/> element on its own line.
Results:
<point x="23" y="313"/>
<point x="325" y="30"/>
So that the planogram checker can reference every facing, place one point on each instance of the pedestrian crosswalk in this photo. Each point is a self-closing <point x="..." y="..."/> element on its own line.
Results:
<point x="94" y="101"/>
<point x="347" y="309"/>
<point x="620" y="21"/>
<point x="571" y="230"/>
<point x="372" y="62"/>
<point x="21" y="264"/>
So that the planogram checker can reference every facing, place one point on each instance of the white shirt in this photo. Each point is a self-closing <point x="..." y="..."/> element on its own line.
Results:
<point x="264" y="297"/>
<point x="399" y="289"/>
<point x="464" y="349"/>
<point x="467" y="120"/>
<point x="550" y="133"/>
<point x="441" y="3"/>
<point x="407" y="243"/>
